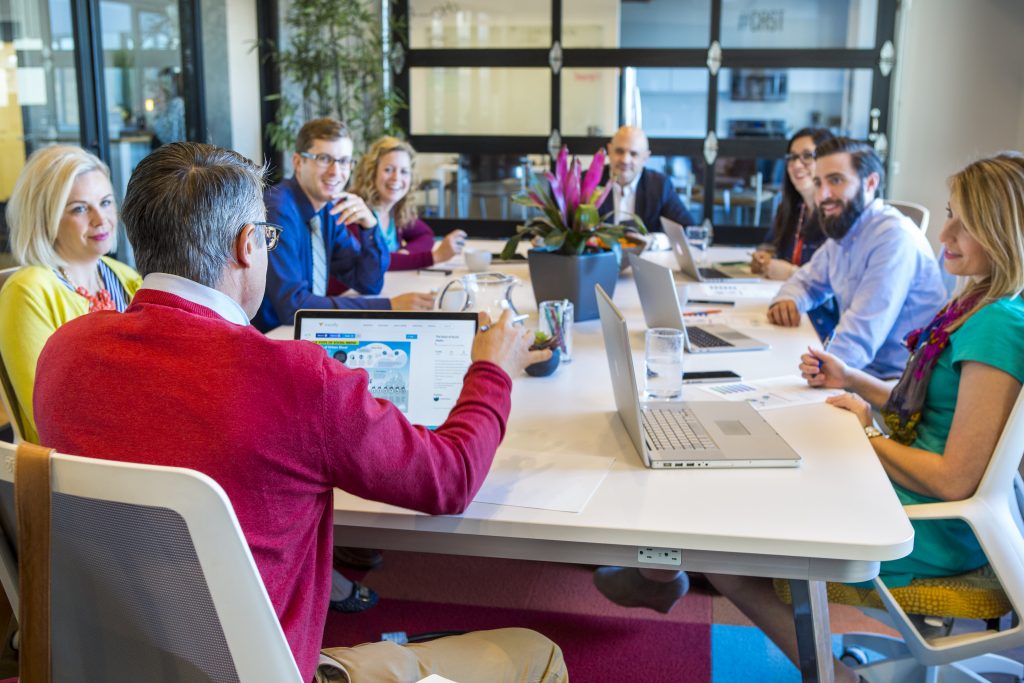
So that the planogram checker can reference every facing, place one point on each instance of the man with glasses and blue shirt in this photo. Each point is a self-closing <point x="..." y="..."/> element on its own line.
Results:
<point x="314" y="211"/>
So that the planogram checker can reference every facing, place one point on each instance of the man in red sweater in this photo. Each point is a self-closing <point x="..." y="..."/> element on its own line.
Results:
<point x="182" y="379"/>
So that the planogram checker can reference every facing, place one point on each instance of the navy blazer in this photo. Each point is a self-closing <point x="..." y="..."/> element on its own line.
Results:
<point x="357" y="261"/>
<point x="655" y="197"/>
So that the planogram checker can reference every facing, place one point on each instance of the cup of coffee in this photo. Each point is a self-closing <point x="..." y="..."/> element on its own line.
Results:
<point x="477" y="260"/>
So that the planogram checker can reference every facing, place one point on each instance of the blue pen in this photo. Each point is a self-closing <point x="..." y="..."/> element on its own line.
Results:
<point x="825" y="346"/>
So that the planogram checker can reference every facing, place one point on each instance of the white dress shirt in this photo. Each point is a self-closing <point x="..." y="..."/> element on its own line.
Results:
<point x="624" y="197"/>
<point x="218" y="302"/>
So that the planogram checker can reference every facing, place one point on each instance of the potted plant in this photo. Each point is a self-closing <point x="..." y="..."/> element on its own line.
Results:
<point x="576" y="247"/>
<point x="544" y="368"/>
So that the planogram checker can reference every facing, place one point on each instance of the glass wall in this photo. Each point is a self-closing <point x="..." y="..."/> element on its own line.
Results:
<point x="717" y="99"/>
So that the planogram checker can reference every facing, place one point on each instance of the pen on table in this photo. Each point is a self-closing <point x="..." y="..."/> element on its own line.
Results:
<point x="439" y="271"/>
<point x="707" y="312"/>
<point x="516" y="319"/>
<point x="710" y="302"/>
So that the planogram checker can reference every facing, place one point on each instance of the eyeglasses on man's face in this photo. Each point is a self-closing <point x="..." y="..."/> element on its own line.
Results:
<point x="271" y="231"/>
<point x="806" y="157"/>
<point x="326" y="160"/>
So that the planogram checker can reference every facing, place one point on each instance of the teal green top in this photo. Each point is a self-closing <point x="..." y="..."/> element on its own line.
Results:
<point x="994" y="336"/>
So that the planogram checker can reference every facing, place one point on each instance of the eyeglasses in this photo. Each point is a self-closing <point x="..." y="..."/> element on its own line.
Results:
<point x="271" y="231"/>
<point x="326" y="160"/>
<point x="806" y="156"/>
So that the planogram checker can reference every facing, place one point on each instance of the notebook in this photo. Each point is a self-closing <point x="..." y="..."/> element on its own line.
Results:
<point x="676" y="234"/>
<point x="660" y="301"/>
<point x="416" y="360"/>
<point x="692" y="434"/>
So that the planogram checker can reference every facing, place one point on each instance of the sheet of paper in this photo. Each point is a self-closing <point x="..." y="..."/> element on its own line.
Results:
<point x="766" y="394"/>
<point x="533" y="479"/>
<point x="730" y="290"/>
<point x="434" y="678"/>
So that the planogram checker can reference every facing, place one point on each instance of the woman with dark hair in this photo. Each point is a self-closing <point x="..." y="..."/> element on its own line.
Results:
<point x="796" y="231"/>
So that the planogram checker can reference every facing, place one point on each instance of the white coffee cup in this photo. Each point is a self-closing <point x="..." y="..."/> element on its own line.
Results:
<point x="477" y="260"/>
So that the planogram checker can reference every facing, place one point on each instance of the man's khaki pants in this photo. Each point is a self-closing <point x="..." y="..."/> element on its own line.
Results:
<point x="507" y="655"/>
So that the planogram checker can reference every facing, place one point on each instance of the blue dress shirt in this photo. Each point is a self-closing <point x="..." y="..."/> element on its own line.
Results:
<point x="886" y="280"/>
<point x="358" y="262"/>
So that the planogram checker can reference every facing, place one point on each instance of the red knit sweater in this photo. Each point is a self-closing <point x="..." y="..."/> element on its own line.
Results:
<point x="277" y="424"/>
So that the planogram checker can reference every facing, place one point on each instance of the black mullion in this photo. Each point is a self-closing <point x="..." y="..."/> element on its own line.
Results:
<point x="489" y="228"/>
<point x="644" y="57"/>
<point x="190" y="27"/>
<point x="556" y="77"/>
<point x="267" y="30"/>
<point x="85" y="21"/>
<point x="752" y="147"/>
<point x="709" y="169"/>
<point x="800" y="58"/>
<point x="478" y="57"/>
<point x="881" y="86"/>
<point x="401" y="37"/>
<point x="480" y="144"/>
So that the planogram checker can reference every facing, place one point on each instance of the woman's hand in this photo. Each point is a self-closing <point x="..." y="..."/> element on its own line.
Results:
<point x="855" y="404"/>
<point x="759" y="261"/>
<point x="822" y="369"/>
<point x="450" y="246"/>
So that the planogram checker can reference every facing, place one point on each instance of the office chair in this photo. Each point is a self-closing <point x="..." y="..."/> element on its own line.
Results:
<point x="7" y="398"/>
<point x="151" y="577"/>
<point x="915" y="212"/>
<point x="994" y="513"/>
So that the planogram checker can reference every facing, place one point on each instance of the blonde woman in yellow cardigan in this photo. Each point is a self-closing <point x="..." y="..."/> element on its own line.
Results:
<point x="62" y="219"/>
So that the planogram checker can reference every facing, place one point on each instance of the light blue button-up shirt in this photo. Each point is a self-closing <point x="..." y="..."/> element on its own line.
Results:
<point x="886" y="280"/>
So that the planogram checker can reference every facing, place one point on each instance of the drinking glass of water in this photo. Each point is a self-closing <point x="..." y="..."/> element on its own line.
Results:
<point x="699" y="237"/>
<point x="663" y="359"/>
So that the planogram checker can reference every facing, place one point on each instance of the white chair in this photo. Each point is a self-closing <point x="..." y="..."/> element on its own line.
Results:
<point x="915" y="212"/>
<point x="152" y="579"/>
<point x="994" y="514"/>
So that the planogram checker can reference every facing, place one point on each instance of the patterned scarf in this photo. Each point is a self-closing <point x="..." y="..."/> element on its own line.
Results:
<point x="902" y="412"/>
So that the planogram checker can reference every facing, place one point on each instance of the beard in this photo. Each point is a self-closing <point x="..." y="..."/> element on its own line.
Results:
<point x="836" y="227"/>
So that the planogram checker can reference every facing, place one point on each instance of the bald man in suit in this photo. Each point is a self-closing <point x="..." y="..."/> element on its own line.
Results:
<point x="638" y="190"/>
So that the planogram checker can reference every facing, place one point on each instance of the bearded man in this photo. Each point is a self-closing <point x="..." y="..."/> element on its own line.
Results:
<point x="876" y="264"/>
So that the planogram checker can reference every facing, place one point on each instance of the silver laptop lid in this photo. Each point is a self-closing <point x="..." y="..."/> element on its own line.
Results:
<point x="659" y="297"/>
<point x="620" y="365"/>
<point x="680" y="248"/>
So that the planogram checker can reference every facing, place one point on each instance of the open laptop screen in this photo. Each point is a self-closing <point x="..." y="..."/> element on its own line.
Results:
<point x="416" y="360"/>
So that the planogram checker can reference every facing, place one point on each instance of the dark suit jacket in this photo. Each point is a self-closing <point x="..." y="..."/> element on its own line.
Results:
<point x="655" y="197"/>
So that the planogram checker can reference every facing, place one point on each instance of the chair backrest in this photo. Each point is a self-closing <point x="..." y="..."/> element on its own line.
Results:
<point x="151" y="577"/>
<point x="915" y="212"/>
<point x="10" y="405"/>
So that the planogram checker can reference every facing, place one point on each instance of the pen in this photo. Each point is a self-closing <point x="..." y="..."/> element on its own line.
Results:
<point x="707" y="312"/>
<point x="516" y="319"/>
<point x="441" y="271"/>
<point x="712" y="303"/>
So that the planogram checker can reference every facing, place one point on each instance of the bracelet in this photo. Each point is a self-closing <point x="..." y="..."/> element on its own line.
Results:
<point x="871" y="432"/>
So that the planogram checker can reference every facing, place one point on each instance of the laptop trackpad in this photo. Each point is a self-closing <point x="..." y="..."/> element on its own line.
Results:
<point x="732" y="427"/>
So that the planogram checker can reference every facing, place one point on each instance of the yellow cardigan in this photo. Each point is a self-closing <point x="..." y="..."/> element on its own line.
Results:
<point x="33" y="304"/>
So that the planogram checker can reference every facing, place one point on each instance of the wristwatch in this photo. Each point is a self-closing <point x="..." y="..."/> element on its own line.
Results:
<point x="871" y="432"/>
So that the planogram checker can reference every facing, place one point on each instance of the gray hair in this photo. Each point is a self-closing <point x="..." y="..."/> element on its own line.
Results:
<point x="185" y="205"/>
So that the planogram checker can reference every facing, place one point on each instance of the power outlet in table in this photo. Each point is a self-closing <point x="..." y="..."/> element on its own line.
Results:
<point x="667" y="556"/>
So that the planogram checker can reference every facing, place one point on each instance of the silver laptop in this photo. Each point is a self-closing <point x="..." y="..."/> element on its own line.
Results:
<point x="415" y="359"/>
<point x="660" y="301"/>
<point x="676" y="234"/>
<point x="694" y="434"/>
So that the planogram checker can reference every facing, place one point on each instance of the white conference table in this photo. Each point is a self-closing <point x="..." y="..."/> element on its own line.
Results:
<point x="833" y="518"/>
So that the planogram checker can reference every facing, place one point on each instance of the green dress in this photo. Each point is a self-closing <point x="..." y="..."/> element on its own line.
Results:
<point x="994" y="336"/>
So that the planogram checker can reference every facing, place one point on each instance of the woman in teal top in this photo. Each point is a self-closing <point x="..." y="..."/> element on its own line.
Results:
<point x="948" y="410"/>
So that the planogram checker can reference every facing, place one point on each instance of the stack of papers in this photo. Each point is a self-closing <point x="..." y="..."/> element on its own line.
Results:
<point x="534" y="479"/>
<point x="767" y="394"/>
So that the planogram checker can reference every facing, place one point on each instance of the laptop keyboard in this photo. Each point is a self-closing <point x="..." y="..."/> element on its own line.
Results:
<point x="714" y="274"/>
<point x="703" y="339"/>
<point x="675" y="429"/>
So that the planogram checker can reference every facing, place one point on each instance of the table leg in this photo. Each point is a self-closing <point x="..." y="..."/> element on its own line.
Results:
<point x="813" y="635"/>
